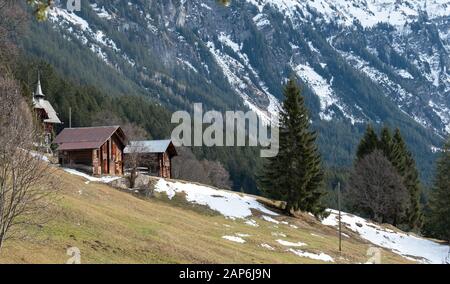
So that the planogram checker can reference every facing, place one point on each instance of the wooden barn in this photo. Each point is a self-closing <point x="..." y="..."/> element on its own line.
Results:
<point x="95" y="150"/>
<point x="45" y="112"/>
<point x="155" y="155"/>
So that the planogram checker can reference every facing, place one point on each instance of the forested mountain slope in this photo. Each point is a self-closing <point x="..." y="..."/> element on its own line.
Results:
<point x="383" y="62"/>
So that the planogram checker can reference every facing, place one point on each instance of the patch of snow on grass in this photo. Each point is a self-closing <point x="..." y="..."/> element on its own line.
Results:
<point x="404" y="244"/>
<point x="270" y="219"/>
<point x="251" y="223"/>
<point x="229" y="204"/>
<point x="105" y="179"/>
<point x="39" y="156"/>
<point x="234" y="239"/>
<point x="278" y="234"/>
<point x="267" y="246"/>
<point x="290" y="244"/>
<point x="322" y="256"/>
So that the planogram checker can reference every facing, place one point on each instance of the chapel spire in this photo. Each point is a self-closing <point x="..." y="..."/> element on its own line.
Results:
<point x="39" y="94"/>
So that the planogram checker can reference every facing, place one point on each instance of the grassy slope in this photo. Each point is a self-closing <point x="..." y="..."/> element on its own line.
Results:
<point x="110" y="226"/>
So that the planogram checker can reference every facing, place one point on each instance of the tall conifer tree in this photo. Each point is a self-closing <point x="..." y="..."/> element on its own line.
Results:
<point x="386" y="144"/>
<point x="406" y="167"/>
<point x="438" y="221"/>
<point x="368" y="144"/>
<point x="295" y="174"/>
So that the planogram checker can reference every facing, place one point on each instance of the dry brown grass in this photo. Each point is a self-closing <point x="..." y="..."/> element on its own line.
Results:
<point x="112" y="226"/>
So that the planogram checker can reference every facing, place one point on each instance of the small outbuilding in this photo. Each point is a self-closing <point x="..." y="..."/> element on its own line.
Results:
<point x="95" y="150"/>
<point x="155" y="155"/>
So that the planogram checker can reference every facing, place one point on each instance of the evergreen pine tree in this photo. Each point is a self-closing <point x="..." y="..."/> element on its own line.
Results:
<point x="295" y="174"/>
<point x="368" y="144"/>
<point x="438" y="221"/>
<point x="400" y="148"/>
<point x="406" y="167"/>
<point x="385" y="144"/>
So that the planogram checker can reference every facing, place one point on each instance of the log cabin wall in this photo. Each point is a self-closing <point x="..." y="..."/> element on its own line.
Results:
<point x="116" y="156"/>
<point x="104" y="158"/>
<point x="96" y="162"/>
<point x="111" y="157"/>
<point x="165" y="165"/>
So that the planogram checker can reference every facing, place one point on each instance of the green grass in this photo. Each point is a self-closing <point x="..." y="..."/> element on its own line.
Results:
<point x="111" y="226"/>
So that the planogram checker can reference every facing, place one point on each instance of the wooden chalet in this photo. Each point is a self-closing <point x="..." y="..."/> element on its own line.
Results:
<point x="45" y="112"/>
<point x="155" y="155"/>
<point x="95" y="150"/>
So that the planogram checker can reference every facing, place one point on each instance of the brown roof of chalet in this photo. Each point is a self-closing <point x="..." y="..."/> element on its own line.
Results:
<point x="84" y="137"/>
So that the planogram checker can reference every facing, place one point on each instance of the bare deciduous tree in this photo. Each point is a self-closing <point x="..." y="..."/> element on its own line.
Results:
<point x="25" y="178"/>
<point x="217" y="174"/>
<point x="12" y="20"/>
<point x="376" y="191"/>
<point x="187" y="167"/>
<point x="133" y="160"/>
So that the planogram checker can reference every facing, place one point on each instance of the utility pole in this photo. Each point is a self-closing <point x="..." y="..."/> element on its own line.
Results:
<point x="339" y="208"/>
<point x="70" y="117"/>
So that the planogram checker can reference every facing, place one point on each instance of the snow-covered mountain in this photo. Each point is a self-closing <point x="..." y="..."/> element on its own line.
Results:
<point x="369" y="13"/>
<point x="400" y="46"/>
<point x="379" y="61"/>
